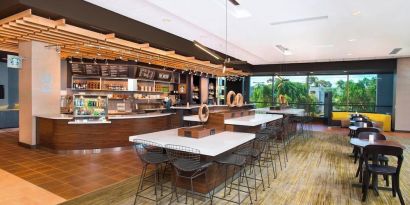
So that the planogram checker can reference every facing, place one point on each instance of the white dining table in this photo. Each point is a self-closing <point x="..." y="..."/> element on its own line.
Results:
<point x="212" y="145"/>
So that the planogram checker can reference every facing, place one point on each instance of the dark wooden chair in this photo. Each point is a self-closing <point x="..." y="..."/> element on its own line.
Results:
<point x="359" y="130"/>
<point x="382" y="159"/>
<point x="372" y="151"/>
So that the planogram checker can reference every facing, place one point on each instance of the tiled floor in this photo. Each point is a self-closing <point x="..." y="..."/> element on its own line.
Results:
<point x="67" y="175"/>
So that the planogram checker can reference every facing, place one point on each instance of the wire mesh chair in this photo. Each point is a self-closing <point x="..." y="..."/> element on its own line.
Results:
<point x="150" y="153"/>
<point x="254" y="156"/>
<point x="187" y="165"/>
<point x="237" y="162"/>
<point x="273" y="130"/>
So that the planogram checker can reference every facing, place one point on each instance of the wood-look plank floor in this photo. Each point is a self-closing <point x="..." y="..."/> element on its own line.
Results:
<point x="319" y="171"/>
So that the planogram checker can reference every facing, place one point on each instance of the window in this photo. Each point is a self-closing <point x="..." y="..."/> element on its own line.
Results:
<point x="261" y="91"/>
<point x="350" y="92"/>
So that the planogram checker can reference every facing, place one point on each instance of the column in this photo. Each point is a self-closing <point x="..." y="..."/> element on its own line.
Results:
<point x="39" y="87"/>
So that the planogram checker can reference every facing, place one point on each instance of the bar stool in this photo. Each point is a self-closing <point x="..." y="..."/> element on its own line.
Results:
<point x="237" y="162"/>
<point x="253" y="155"/>
<point x="187" y="165"/>
<point x="150" y="153"/>
<point x="273" y="150"/>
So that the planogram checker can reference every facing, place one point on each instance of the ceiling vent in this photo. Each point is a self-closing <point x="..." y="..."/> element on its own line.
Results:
<point x="299" y="20"/>
<point x="395" y="51"/>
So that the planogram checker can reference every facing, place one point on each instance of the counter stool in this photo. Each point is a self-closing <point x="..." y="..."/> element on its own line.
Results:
<point x="253" y="155"/>
<point x="273" y="151"/>
<point x="187" y="165"/>
<point x="237" y="162"/>
<point x="150" y="153"/>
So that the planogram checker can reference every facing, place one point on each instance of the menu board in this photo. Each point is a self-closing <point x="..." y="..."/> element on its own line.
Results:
<point x="164" y="76"/>
<point x="146" y="73"/>
<point x="122" y="71"/>
<point x="113" y="71"/>
<point x="77" y="69"/>
<point x="105" y="70"/>
<point x="92" y="69"/>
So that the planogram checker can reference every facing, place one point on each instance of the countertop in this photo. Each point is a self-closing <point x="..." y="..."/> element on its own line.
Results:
<point x="212" y="145"/>
<point x="287" y="111"/>
<point x="110" y="117"/>
<point x="184" y="107"/>
<point x="253" y="120"/>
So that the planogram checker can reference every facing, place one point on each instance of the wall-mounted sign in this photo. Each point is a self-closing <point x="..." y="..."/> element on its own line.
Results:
<point x="164" y="76"/>
<point x="146" y="73"/>
<point x="14" y="61"/>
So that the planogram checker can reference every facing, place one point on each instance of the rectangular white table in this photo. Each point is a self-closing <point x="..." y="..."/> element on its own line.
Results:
<point x="253" y="120"/>
<point x="287" y="111"/>
<point x="212" y="145"/>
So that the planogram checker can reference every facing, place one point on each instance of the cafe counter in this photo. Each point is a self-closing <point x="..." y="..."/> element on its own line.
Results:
<point x="61" y="132"/>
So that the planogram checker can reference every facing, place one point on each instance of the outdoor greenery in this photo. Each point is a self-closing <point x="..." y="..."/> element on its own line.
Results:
<point x="352" y="96"/>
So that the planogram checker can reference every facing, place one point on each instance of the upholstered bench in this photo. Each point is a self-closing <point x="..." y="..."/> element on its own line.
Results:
<point x="382" y="121"/>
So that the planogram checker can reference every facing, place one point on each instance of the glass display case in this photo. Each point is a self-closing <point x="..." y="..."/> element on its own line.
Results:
<point x="90" y="108"/>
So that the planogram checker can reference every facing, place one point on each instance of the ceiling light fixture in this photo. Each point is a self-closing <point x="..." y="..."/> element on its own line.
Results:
<point x="395" y="51"/>
<point x="352" y="40"/>
<point x="71" y="60"/>
<point x="356" y="13"/>
<point x="106" y="62"/>
<point x="349" y="54"/>
<point x="206" y="50"/>
<point x="299" y="20"/>
<point x="285" y="51"/>
<point x="224" y="69"/>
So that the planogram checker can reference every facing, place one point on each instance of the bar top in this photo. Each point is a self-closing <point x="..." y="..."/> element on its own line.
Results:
<point x="253" y="120"/>
<point x="110" y="117"/>
<point x="184" y="107"/>
<point x="287" y="111"/>
<point x="212" y="145"/>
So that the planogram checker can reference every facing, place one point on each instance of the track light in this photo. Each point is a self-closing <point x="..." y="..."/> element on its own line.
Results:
<point x="95" y="60"/>
<point x="71" y="60"/>
<point x="106" y="62"/>
<point x="224" y="69"/>
<point x="81" y="61"/>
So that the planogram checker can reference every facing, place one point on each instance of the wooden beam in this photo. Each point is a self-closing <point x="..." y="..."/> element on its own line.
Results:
<point x="110" y="36"/>
<point x="60" y="22"/>
<point x="20" y="15"/>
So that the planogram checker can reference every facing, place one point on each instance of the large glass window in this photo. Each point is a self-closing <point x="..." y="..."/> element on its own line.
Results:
<point x="350" y="92"/>
<point x="261" y="91"/>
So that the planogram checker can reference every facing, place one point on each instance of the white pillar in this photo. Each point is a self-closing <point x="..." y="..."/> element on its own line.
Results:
<point x="39" y="87"/>
<point x="401" y="108"/>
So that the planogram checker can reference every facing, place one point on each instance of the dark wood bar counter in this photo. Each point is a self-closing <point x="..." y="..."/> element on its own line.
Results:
<point x="55" y="132"/>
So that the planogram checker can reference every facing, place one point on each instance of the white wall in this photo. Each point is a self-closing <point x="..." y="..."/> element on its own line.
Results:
<point x="402" y="101"/>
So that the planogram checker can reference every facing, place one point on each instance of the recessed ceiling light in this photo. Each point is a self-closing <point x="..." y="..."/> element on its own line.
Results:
<point x="349" y="54"/>
<point x="311" y="72"/>
<point x="325" y="46"/>
<point x="299" y="20"/>
<point x="352" y="40"/>
<point x="345" y="71"/>
<point x="166" y="20"/>
<point x="356" y="13"/>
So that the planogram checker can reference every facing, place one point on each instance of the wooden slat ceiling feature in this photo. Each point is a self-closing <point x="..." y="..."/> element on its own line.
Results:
<point x="77" y="42"/>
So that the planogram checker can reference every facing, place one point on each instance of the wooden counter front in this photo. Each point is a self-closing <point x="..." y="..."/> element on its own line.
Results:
<point x="57" y="134"/>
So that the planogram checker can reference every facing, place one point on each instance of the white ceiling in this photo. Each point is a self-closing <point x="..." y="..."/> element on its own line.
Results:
<point x="354" y="29"/>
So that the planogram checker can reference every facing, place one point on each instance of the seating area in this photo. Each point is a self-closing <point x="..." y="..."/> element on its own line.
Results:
<point x="218" y="102"/>
<point x="383" y="121"/>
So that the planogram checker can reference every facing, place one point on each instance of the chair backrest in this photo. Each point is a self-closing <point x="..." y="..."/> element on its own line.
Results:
<point x="175" y="152"/>
<point x="143" y="147"/>
<point x="365" y="135"/>
<point x="362" y="123"/>
<point x="366" y="129"/>
<point x="386" y="150"/>
<point x="260" y="142"/>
